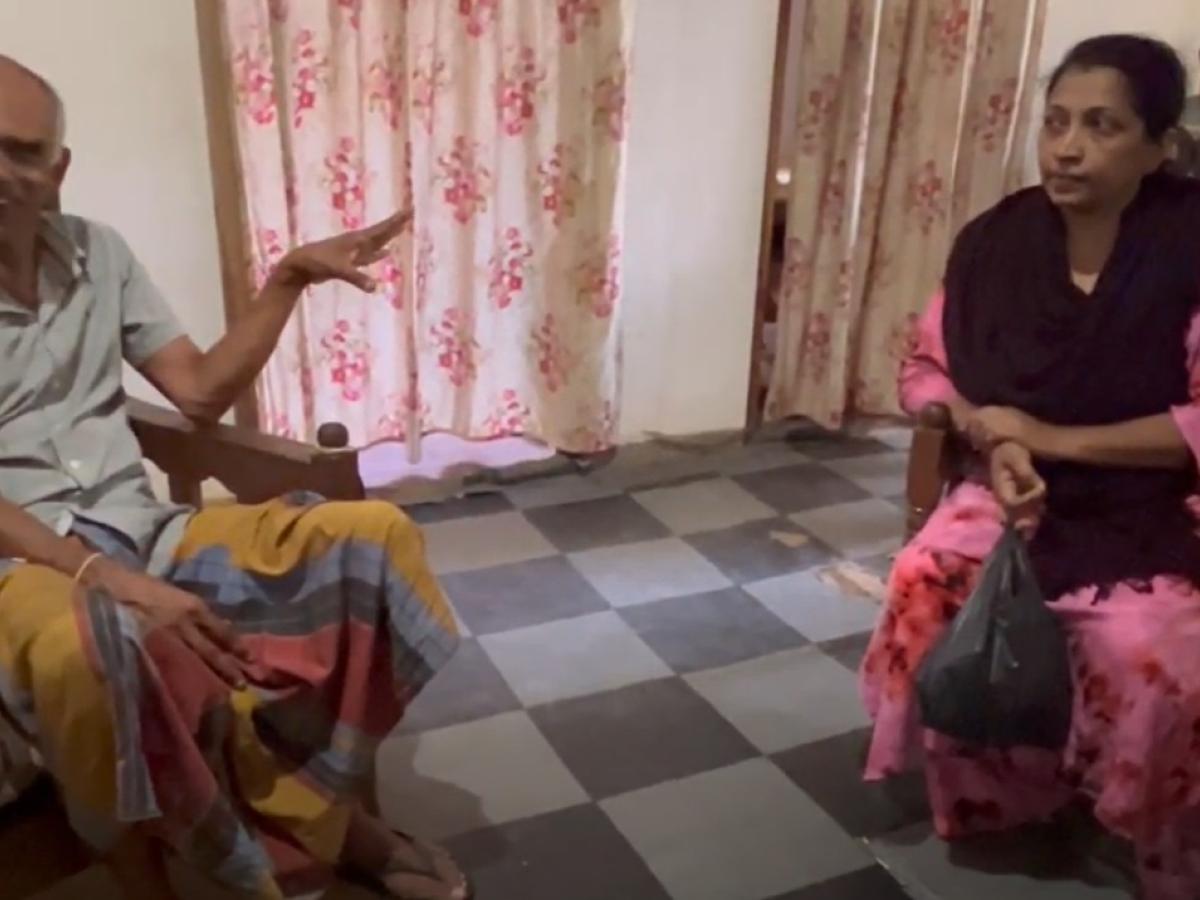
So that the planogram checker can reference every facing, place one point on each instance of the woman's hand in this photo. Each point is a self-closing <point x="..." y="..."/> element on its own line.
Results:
<point x="991" y="426"/>
<point x="1017" y="485"/>
<point x="158" y="604"/>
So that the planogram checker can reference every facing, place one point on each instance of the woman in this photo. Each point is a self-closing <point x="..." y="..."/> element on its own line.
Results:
<point x="1066" y="342"/>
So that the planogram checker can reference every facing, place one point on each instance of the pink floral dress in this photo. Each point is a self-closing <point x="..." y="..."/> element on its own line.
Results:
<point x="1135" y="738"/>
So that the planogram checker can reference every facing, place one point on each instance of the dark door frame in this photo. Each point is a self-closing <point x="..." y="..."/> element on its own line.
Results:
<point x="771" y="203"/>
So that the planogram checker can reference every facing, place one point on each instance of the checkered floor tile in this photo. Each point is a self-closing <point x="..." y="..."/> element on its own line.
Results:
<point x="658" y="700"/>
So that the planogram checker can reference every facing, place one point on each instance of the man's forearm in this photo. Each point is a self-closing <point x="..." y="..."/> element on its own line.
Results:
<point x="230" y="366"/>
<point x="22" y="536"/>
<point x="1154" y="442"/>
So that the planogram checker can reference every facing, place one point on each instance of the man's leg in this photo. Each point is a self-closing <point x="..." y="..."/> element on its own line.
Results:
<point x="45" y="664"/>
<point x="346" y="623"/>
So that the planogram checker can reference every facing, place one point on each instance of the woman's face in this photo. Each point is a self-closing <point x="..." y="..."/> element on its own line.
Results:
<point x="1093" y="150"/>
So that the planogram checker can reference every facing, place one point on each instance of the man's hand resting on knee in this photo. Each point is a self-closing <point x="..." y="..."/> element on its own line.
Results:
<point x="161" y="606"/>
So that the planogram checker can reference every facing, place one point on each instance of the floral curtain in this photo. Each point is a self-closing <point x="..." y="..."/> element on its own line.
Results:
<point x="503" y="126"/>
<point x="913" y="117"/>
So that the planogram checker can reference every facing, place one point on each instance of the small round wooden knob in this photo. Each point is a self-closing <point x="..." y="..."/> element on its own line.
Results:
<point x="333" y="436"/>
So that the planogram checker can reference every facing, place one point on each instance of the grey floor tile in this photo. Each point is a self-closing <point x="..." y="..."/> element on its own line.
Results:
<point x="739" y="833"/>
<point x="825" y="445"/>
<point x="753" y="552"/>
<point x="880" y="474"/>
<point x="650" y="465"/>
<point x="710" y="630"/>
<point x="572" y="658"/>
<point x="707" y="505"/>
<point x="470" y="687"/>
<point x="638" y="736"/>
<point x="480" y="542"/>
<point x="801" y="488"/>
<point x="757" y="456"/>
<point x="466" y="777"/>
<point x="465" y="507"/>
<point x="830" y="771"/>
<point x="570" y="488"/>
<point x="849" y="651"/>
<point x="817" y="610"/>
<point x="521" y="594"/>
<point x="993" y="867"/>
<point x="873" y="883"/>
<point x="651" y="570"/>
<point x="857" y="530"/>
<point x="574" y="527"/>
<point x="573" y="854"/>
<point x="784" y="700"/>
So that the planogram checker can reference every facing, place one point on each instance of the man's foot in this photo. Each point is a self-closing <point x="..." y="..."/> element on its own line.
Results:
<point x="419" y="870"/>
<point x="406" y="867"/>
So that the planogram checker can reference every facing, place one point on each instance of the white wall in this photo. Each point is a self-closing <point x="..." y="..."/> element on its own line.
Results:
<point x="700" y="107"/>
<point x="129" y="74"/>
<point x="1069" y="21"/>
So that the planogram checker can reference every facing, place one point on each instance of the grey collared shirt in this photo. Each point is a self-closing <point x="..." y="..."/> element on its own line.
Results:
<point x="67" y="452"/>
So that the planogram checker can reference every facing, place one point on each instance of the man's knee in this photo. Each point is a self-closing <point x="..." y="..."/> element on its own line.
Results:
<point x="370" y="520"/>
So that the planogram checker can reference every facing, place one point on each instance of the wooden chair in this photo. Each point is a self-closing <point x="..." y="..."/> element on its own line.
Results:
<point x="37" y="846"/>
<point x="935" y="464"/>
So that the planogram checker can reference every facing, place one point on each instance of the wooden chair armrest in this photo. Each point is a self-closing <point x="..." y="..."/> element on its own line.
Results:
<point x="254" y="467"/>
<point x="936" y="463"/>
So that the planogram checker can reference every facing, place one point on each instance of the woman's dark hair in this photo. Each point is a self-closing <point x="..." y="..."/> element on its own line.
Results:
<point x="1153" y="70"/>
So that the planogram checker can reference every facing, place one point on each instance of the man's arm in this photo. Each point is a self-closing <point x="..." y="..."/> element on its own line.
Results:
<point x="204" y="384"/>
<point x="22" y="536"/>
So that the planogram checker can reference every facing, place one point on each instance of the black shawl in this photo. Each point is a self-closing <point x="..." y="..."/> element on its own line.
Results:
<point x="1019" y="333"/>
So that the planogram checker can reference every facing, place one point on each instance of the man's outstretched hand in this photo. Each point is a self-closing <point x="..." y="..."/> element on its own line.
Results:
<point x="341" y="258"/>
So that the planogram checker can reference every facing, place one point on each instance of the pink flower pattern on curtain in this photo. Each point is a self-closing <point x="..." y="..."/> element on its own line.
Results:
<point x="503" y="126"/>
<point x="913" y="118"/>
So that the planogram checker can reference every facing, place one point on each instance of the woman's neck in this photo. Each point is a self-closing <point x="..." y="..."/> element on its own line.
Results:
<point x="1090" y="240"/>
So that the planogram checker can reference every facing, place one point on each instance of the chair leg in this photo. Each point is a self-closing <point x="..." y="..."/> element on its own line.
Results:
<point x="138" y="864"/>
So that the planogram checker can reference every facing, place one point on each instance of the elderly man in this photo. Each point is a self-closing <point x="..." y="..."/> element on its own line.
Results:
<point x="210" y="682"/>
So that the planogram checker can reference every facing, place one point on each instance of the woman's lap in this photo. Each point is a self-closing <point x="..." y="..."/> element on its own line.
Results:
<point x="1135" y="742"/>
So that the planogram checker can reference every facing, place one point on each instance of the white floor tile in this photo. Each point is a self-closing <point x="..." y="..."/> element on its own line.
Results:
<point x="463" y="545"/>
<point x="814" y="608"/>
<point x="572" y="658"/>
<point x="857" y="530"/>
<point x="785" y="699"/>
<point x="653" y="570"/>
<point x="709" y="505"/>
<point x="457" y="779"/>
<point x="741" y="833"/>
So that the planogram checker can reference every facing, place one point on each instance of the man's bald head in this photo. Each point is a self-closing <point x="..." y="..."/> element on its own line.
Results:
<point x="34" y="106"/>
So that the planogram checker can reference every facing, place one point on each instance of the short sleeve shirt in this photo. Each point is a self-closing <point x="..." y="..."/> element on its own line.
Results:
<point x="67" y="452"/>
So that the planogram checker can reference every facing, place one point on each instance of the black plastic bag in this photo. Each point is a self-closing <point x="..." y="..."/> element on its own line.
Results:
<point x="1000" y="675"/>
